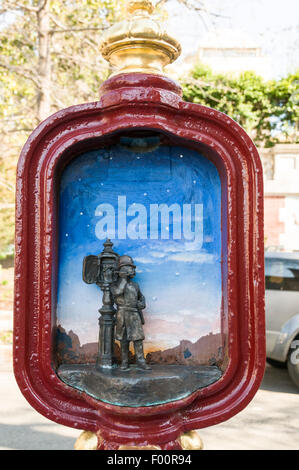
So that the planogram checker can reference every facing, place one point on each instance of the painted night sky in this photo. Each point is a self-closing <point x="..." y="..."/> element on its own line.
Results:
<point x="180" y="278"/>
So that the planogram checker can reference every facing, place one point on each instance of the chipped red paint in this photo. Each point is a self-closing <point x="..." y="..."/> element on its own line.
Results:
<point x="129" y="102"/>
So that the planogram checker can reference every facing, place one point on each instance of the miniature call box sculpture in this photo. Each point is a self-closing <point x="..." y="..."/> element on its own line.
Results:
<point x="162" y="202"/>
<point x="113" y="274"/>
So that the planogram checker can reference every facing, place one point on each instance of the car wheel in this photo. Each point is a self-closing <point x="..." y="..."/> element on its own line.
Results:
<point x="277" y="364"/>
<point x="293" y="362"/>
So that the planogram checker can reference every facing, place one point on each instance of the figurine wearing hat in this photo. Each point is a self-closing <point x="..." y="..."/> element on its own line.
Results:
<point x="129" y="318"/>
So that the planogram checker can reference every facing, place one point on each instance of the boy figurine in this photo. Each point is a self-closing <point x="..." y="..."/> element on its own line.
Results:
<point x="129" y="318"/>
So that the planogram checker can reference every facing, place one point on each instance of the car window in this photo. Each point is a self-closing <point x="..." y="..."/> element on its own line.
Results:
<point x="282" y="274"/>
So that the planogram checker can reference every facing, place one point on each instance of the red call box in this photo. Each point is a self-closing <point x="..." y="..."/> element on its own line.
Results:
<point x="140" y="178"/>
<point x="130" y="105"/>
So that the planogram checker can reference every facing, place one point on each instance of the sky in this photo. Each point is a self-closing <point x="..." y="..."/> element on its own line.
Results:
<point x="273" y="24"/>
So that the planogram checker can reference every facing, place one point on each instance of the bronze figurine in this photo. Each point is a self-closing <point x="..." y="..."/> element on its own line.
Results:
<point x="113" y="274"/>
<point x="129" y="318"/>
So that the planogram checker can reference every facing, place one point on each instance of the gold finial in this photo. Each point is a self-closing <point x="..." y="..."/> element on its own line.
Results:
<point x="139" y="43"/>
<point x="134" y="5"/>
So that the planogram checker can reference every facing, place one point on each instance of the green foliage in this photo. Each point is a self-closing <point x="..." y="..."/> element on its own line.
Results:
<point x="6" y="337"/>
<point x="268" y="110"/>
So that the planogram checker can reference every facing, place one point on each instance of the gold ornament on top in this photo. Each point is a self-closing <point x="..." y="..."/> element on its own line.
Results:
<point x="134" y="5"/>
<point x="140" y="43"/>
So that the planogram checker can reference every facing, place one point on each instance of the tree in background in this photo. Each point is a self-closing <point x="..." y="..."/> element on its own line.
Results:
<point x="49" y="59"/>
<point x="50" y="46"/>
<point x="268" y="110"/>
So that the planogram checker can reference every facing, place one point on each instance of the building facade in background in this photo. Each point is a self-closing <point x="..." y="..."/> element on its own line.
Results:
<point x="226" y="51"/>
<point x="281" y="187"/>
<point x="232" y="51"/>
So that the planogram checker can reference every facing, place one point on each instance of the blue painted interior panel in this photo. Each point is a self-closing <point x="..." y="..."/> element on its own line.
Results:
<point x="163" y="208"/>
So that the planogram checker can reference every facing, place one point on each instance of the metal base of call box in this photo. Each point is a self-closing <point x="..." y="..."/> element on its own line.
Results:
<point x="137" y="387"/>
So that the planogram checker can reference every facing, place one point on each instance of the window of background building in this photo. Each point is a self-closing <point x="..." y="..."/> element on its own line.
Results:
<point x="286" y="166"/>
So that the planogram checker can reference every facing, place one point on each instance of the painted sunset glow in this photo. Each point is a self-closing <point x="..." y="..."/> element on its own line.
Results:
<point x="178" y="271"/>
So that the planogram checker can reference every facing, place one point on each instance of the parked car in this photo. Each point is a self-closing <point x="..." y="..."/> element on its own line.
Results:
<point x="282" y="311"/>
